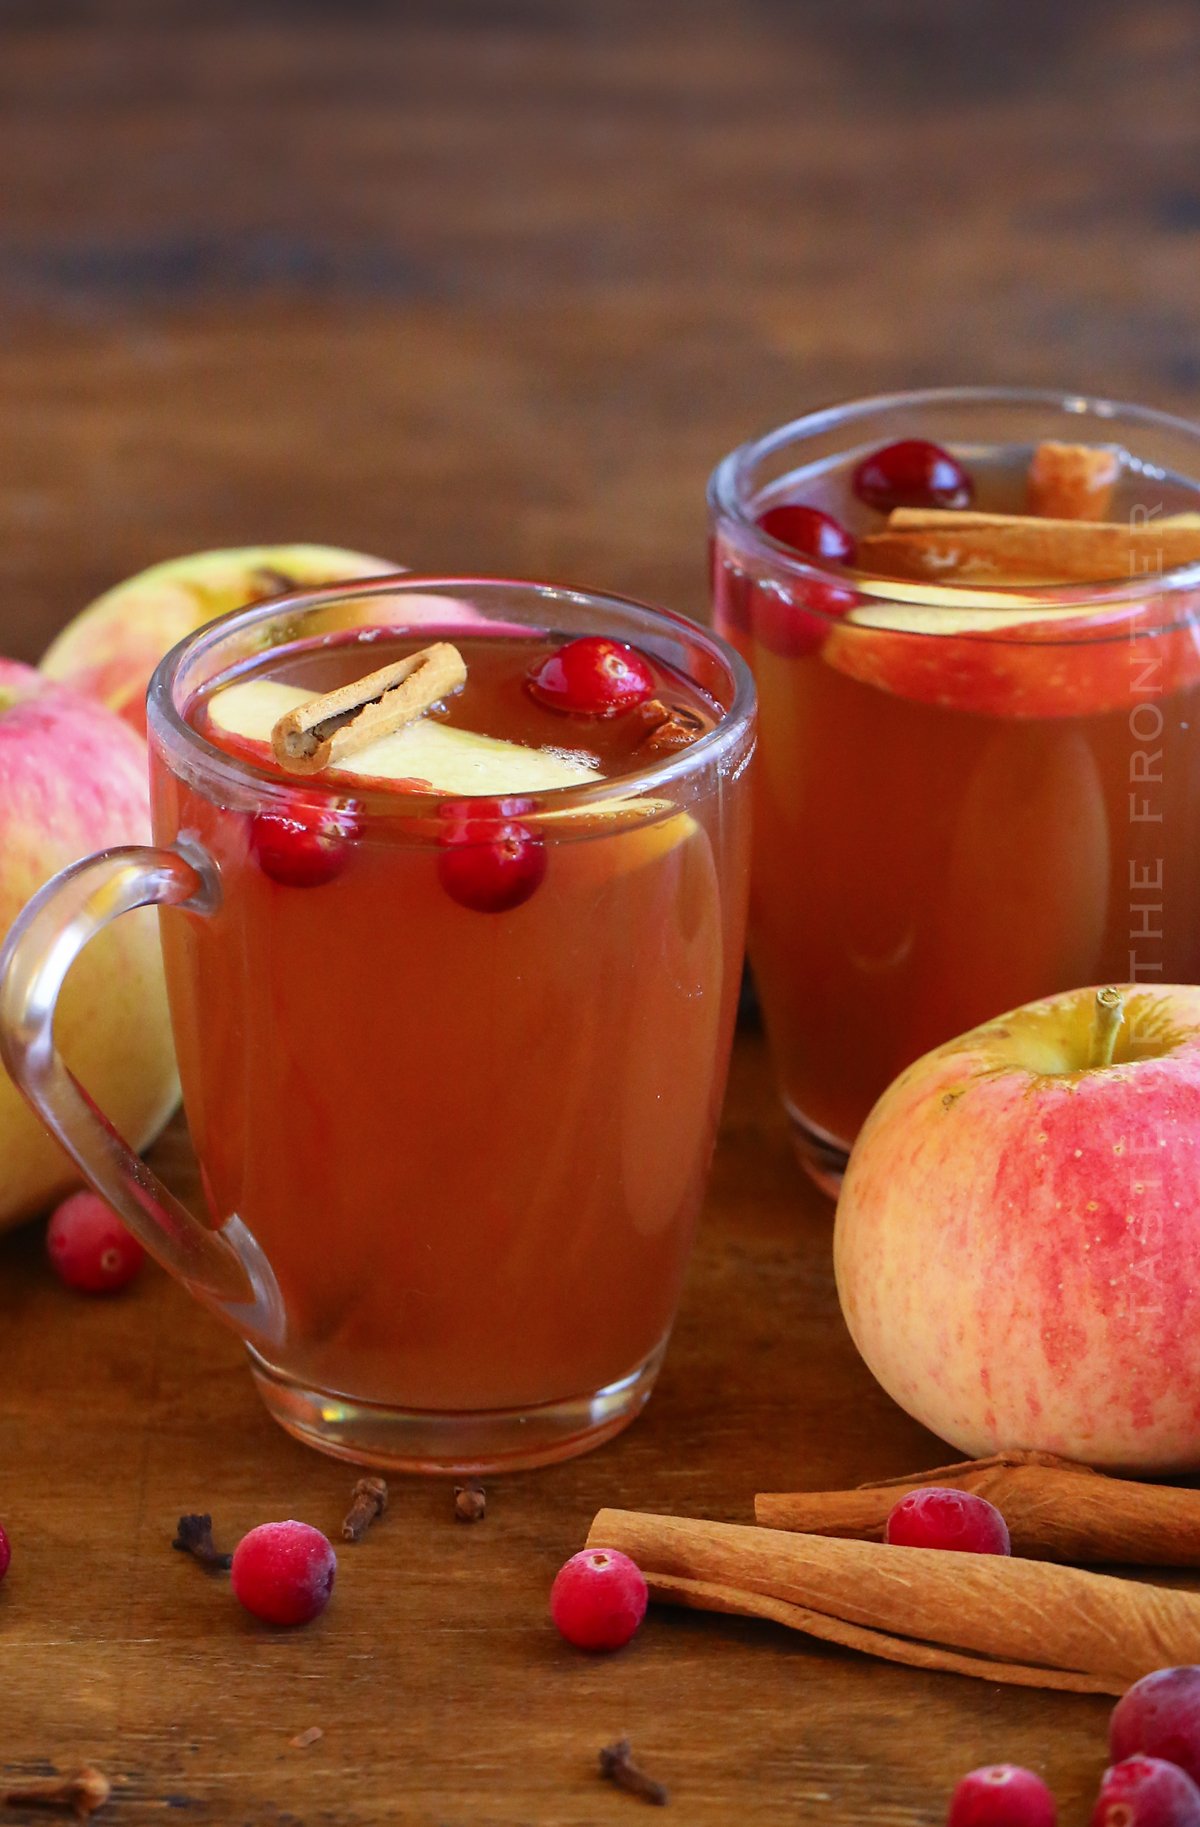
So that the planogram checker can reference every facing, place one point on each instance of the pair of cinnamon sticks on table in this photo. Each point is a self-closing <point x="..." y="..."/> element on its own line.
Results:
<point x="817" y="1563"/>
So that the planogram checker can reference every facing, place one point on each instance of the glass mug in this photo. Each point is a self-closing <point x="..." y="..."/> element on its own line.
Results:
<point x="966" y="799"/>
<point x="453" y="1159"/>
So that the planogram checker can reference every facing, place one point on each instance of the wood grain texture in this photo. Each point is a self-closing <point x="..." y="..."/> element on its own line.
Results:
<point x="443" y="1691"/>
<point x="489" y="285"/>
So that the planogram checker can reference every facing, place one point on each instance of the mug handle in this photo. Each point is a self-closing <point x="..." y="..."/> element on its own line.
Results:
<point x="223" y="1269"/>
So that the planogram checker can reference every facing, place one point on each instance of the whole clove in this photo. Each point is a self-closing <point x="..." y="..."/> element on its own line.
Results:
<point x="618" y="1767"/>
<point x="194" y="1536"/>
<point x="368" y="1501"/>
<point x="668" y="727"/>
<point x="83" y="1793"/>
<point x="470" y="1502"/>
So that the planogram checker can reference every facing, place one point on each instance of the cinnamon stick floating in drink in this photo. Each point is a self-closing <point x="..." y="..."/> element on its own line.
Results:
<point x="1073" y="481"/>
<point x="339" y="723"/>
<point x="943" y="544"/>
<point x="1055" y="1510"/>
<point x="1018" y="1621"/>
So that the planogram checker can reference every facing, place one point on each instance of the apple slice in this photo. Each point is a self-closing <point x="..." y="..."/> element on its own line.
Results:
<point x="432" y="757"/>
<point x="442" y="759"/>
<point x="998" y="655"/>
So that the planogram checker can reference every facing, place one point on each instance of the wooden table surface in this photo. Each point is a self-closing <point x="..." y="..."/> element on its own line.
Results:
<point x="489" y="284"/>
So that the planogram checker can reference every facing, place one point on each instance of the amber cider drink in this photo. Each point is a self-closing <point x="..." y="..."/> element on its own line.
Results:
<point x="453" y="1044"/>
<point x="974" y="789"/>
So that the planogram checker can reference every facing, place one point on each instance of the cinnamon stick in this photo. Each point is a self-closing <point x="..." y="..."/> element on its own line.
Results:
<point x="1073" y="481"/>
<point x="1026" y="1615"/>
<point x="702" y="1595"/>
<point x="339" y="723"/>
<point x="1055" y="1510"/>
<point x="936" y="544"/>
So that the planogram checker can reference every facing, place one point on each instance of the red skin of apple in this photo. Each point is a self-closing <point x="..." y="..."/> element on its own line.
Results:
<point x="1056" y="669"/>
<point x="111" y="648"/>
<point x="1016" y="1252"/>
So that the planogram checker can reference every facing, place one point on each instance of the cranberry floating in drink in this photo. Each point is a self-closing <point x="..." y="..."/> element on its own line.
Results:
<point x="913" y="473"/>
<point x="974" y="621"/>
<point x="810" y="532"/>
<point x="453" y="960"/>
<point x="591" y="677"/>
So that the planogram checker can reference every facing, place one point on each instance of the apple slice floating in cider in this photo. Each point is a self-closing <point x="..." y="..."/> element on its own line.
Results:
<point x="431" y="757"/>
<point x="1013" y="649"/>
<point x="1003" y="656"/>
<point x="425" y="755"/>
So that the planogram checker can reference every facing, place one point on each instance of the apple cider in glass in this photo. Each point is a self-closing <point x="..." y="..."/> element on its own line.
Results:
<point x="453" y="1044"/>
<point x="973" y="622"/>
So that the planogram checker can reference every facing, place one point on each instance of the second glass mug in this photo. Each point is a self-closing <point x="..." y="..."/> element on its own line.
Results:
<point x="965" y="799"/>
<point x="453" y="1160"/>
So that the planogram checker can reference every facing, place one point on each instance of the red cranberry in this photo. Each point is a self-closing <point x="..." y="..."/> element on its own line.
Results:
<point x="598" y="1599"/>
<point x="1146" y="1792"/>
<point x="89" y="1246"/>
<point x="1160" y="1716"/>
<point x="810" y="532"/>
<point x="593" y="677"/>
<point x="792" y="619"/>
<point x="912" y="473"/>
<point x="303" y="848"/>
<point x="283" y="1572"/>
<point x="942" y="1518"/>
<point x="5" y="1553"/>
<point x="489" y="862"/>
<point x="1002" y="1795"/>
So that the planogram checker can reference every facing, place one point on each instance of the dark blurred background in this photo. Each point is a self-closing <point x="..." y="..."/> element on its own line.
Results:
<point x="490" y="284"/>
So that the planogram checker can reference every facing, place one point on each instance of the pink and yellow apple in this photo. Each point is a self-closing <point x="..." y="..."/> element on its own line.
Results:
<point x="72" y="780"/>
<point x="1018" y="1236"/>
<point x="111" y="648"/>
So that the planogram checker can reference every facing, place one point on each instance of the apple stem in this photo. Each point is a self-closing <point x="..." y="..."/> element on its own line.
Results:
<point x="1110" y="1013"/>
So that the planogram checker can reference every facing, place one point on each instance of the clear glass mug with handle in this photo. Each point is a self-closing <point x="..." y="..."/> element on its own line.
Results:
<point x="452" y="1157"/>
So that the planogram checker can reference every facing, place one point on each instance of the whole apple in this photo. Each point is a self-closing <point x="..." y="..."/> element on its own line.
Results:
<point x="1017" y="1242"/>
<point x="111" y="648"/>
<point x="73" y="779"/>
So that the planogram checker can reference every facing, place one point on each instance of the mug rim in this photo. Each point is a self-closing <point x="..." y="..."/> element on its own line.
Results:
<point x="728" y="493"/>
<point x="180" y="740"/>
